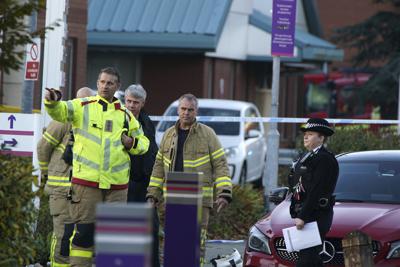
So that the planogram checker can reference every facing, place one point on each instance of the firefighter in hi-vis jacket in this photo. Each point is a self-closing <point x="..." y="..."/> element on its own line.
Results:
<point x="105" y="132"/>
<point x="56" y="173"/>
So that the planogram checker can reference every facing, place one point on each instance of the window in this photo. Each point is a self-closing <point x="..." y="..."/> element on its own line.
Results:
<point x="220" y="128"/>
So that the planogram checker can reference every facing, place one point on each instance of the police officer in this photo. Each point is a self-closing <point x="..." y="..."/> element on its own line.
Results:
<point x="316" y="174"/>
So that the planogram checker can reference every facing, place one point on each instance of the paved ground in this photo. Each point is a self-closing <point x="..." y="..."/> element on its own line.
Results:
<point x="213" y="249"/>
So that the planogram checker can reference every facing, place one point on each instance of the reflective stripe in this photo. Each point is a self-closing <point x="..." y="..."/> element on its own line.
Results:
<point x="58" y="181"/>
<point x="198" y="162"/>
<point x="157" y="182"/>
<point x="80" y="253"/>
<point x="159" y="155"/>
<point x="70" y="109"/>
<point x="166" y="164"/>
<point x="107" y="154"/>
<point x="52" y="247"/>
<point x="137" y="132"/>
<point x="216" y="152"/>
<point x="87" y="135"/>
<point x="117" y="143"/>
<point x="207" y="191"/>
<point x="223" y="184"/>
<point x="219" y="154"/>
<point x="167" y="160"/>
<point x="61" y="148"/>
<point x="43" y="163"/>
<point x="85" y="123"/>
<point x="222" y="178"/>
<point x="55" y="264"/>
<point x="120" y="167"/>
<point x="86" y="162"/>
<point x="50" y="139"/>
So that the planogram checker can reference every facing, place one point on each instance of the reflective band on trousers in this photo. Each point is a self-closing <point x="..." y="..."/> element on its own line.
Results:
<point x="80" y="253"/>
<point x="58" y="181"/>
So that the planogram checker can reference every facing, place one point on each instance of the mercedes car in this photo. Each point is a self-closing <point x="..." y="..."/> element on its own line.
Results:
<point x="367" y="199"/>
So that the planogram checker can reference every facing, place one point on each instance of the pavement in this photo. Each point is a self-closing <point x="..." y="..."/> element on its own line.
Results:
<point x="222" y="248"/>
<point x="214" y="248"/>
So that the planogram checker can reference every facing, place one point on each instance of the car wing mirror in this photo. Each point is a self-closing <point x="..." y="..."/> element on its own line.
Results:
<point x="278" y="195"/>
<point x="253" y="134"/>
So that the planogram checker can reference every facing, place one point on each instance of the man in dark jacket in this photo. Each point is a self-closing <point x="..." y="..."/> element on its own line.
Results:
<point x="316" y="174"/>
<point x="142" y="166"/>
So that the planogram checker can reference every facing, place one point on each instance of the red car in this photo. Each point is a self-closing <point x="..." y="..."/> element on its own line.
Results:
<point x="367" y="199"/>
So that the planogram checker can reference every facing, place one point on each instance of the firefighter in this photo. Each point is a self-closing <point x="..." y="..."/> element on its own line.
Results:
<point x="190" y="146"/>
<point x="55" y="173"/>
<point x="105" y="132"/>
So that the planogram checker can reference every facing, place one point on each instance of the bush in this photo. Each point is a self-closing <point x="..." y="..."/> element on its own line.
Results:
<point x="20" y="244"/>
<point x="246" y="208"/>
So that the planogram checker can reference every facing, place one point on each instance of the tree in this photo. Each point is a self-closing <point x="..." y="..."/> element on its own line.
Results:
<point x="14" y="33"/>
<point x="377" y="39"/>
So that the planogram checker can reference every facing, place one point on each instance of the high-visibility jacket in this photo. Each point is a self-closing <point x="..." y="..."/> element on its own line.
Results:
<point x="99" y="158"/>
<point x="50" y="149"/>
<point x="202" y="152"/>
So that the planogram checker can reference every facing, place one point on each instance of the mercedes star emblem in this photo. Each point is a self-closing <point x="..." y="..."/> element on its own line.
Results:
<point x="328" y="251"/>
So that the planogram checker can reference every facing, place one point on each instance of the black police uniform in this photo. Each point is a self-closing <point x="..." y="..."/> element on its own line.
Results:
<point x="316" y="175"/>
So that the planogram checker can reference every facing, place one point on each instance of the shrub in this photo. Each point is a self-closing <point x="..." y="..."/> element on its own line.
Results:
<point x="234" y="221"/>
<point x="23" y="235"/>
<point x="17" y="212"/>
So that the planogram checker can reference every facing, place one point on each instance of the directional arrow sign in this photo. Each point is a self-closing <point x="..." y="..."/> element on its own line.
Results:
<point x="13" y="142"/>
<point x="11" y="118"/>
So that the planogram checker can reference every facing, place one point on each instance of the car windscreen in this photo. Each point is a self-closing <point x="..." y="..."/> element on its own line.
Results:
<point x="376" y="182"/>
<point x="220" y="128"/>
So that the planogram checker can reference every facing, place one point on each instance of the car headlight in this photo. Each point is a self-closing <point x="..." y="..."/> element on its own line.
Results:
<point x="394" y="250"/>
<point x="258" y="241"/>
<point x="231" y="152"/>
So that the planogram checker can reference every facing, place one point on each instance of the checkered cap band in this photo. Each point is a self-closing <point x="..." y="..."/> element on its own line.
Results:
<point x="312" y="125"/>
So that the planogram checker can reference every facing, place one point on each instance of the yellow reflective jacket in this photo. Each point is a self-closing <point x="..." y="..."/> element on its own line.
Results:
<point x="50" y="149"/>
<point x="202" y="152"/>
<point x="99" y="157"/>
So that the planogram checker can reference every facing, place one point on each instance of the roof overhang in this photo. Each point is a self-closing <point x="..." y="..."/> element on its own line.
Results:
<point x="192" y="25"/>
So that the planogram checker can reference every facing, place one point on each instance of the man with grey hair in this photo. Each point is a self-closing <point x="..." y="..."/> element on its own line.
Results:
<point x="142" y="166"/>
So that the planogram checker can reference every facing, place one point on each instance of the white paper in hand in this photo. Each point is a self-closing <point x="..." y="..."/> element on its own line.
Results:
<point x="307" y="237"/>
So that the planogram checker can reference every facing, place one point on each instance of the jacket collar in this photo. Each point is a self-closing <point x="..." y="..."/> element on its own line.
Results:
<point x="193" y="128"/>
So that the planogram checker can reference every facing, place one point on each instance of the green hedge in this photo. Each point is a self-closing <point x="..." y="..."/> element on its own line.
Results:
<point x="352" y="138"/>
<point x="20" y="241"/>
<point x="233" y="222"/>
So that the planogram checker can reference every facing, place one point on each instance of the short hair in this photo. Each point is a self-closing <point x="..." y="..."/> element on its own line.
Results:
<point x="137" y="91"/>
<point x="189" y="97"/>
<point x="111" y="71"/>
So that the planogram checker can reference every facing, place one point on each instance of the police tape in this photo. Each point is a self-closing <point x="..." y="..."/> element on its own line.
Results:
<point x="275" y="120"/>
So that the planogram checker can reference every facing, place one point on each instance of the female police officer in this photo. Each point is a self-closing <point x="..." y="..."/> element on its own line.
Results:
<point x="316" y="174"/>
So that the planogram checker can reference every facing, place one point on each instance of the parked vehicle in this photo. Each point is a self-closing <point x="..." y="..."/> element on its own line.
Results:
<point x="337" y="95"/>
<point x="367" y="199"/>
<point x="244" y="142"/>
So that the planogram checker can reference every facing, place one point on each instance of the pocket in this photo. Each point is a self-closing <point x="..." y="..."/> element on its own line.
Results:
<point x="77" y="193"/>
<point x="57" y="204"/>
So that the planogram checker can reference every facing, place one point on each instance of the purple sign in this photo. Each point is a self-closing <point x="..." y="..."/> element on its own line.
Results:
<point x="283" y="27"/>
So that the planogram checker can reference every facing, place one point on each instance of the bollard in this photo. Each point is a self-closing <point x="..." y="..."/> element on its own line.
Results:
<point x="182" y="219"/>
<point x="357" y="250"/>
<point x="123" y="235"/>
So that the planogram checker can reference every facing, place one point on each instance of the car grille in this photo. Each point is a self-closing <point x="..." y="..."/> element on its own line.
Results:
<point x="338" y="258"/>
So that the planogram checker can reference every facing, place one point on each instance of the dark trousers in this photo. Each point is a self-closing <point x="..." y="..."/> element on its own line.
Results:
<point x="310" y="257"/>
<point x="137" y="193"/>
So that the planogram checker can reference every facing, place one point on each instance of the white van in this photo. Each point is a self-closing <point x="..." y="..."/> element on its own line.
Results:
<point x="244" y="142"/>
